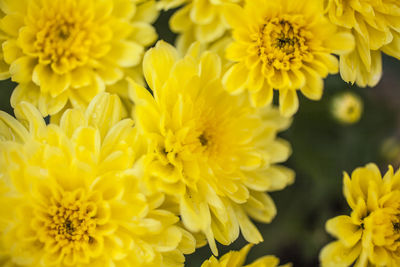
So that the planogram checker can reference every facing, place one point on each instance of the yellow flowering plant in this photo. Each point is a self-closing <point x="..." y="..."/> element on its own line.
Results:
<point x="284" y="46"/>
<point x="116" y="154"/>
<point x="370" y="235"/>
<point x="69" y="196"/>
<point x="212" y="152"/>
<point x="62" y="53"/>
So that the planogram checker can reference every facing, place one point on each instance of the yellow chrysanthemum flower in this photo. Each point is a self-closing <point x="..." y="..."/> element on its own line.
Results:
<point x="370" y="236"/>
<point x="375" y="25"/>
<point x="237" y="259"/>
<point x="69" y="198"/>
<point x="64" y="52"/>
<point x="197" y="20"/>
<point x="347" y="107"/>
<point x="283" y="45"/>
<point x="212" y="152"/>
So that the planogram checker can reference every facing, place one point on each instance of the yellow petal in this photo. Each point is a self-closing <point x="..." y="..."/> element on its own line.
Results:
<point x="104" y="111"/>
<point x="180" y="20"/>
<point x="345" y="230"/>
<point x="288" y="102"/>
<point x="188" y="242"/>
<point x="336" y="254"/>
<point x="202" y="12"/>
<point x="313" y="88"/>
<point x="209" y="32"/>
<point x="49" y="81"/>
<point x="235" y="79"/>
<point x="256" y="80"/>
<point x="126" y="53"/>
<point x="279" y="151"/>
<point x="158" y="63"/>
<point x="30" y="116"/>
<point x="167" y="241"/>
<point x="347" y="67"/>
<point x="279" y="177"/>
<point x="25" y="92"/>
<point x="279" y="79"/>
<point x="11" y="6"/>
<point x="11" y="129"/>
<point x="49" y="105"/>
<point x="236" y="51"/>
<point x="248" y="229"/>
<point x="266" y="212"/>
<point x="195" y="214"/>
<point x="22" y="68"/>
<point x="270" y="261"/>
<point x="81" y="76"/>
<point x="341" y="42"/>
<point x="210" y="66"/>
<point x="237" y="258"/>
<point x="393" y="48"/>
<point x="263" y="97"/>
<point x="11" y="51"/>
<point x="120" y="8"/>
<point x="234" y="15"/>
<point x="72" y="119"/>
<point x="12" y="23"/>
<point x="143" y="33"/>
<point x="146" y="12"/>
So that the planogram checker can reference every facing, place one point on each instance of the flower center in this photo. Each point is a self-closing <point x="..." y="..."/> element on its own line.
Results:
<point x="282" y="43"/>
<point x="203" y="139"/>
<point x="384" y="226"/>
<point x="63" y="43"/>
<point x="69" y="221"/>
<point x="66" y="34"/>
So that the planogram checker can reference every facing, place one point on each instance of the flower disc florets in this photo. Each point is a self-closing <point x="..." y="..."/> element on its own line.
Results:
<point x="212" y="153"/>
<point x="284" y="46"/>
<point x="65" y="52"/>
<point x="69" y="196"/>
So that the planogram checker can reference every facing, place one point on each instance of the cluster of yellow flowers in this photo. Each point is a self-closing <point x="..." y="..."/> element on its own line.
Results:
<point x="149" y="155"/>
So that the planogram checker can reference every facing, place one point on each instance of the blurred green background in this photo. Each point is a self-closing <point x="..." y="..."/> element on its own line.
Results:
<point x="322" y="150"/>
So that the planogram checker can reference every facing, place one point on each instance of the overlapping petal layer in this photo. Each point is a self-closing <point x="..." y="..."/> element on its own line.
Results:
<point x="69" y="196"/>
<point x="370" y="235"/>
<point x="197" y="20"/>
<point x="375" y="25"/>
<point x="282" y="45"/>
<point x="62" y="53"/>
<point x="211" y="152"/>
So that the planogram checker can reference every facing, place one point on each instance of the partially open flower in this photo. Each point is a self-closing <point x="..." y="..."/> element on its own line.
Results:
<point x="370" y="236"/>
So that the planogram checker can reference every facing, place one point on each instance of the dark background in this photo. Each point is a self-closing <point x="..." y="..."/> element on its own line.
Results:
<point x="322" y="149"/>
